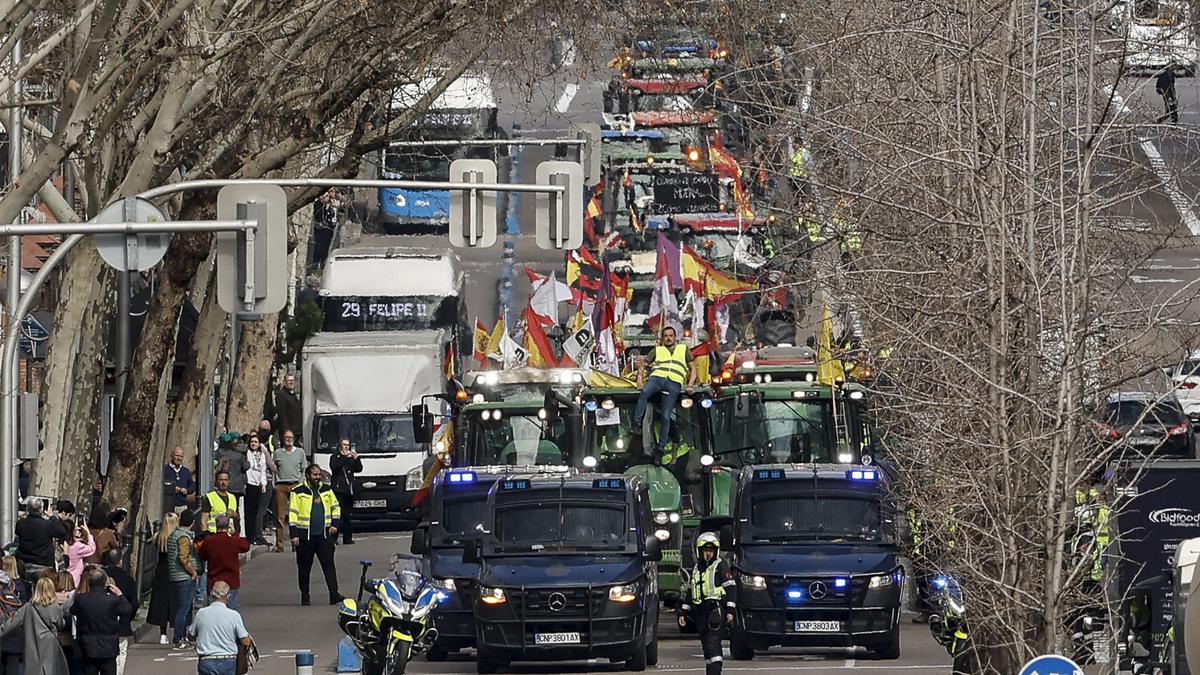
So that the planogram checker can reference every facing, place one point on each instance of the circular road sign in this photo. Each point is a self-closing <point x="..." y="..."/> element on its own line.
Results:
<point x="135" y="251"/>
<point x="1051" y="664"/>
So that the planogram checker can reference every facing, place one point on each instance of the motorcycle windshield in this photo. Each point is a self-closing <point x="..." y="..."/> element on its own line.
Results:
<point x="410" y="578"/>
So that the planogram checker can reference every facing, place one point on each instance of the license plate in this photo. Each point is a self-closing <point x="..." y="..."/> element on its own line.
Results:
<point x="556" y="638"/>
<point x="818" y="627"/>
<point x="370" y="504"/>
<point x="1145" y="440"/>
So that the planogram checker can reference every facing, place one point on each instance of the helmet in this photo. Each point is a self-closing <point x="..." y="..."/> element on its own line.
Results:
<point x="708" y="539"/>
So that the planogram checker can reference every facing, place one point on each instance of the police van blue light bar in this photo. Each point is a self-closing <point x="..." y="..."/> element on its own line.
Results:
<point x="770" y="474"/>
<point x="862" y="474"/>
<point x="795" y="594"/>
<point x="841" y="582"/>
<point x="461" y="477"/>
<point x="609" y="483"/>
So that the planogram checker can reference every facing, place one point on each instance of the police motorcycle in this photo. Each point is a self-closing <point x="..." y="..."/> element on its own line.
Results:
<point x="948" y="620"/>
<point x="394" y="625"/>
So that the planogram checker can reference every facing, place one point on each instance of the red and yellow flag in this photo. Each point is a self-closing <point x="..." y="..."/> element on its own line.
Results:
<point x="482" y="337"/>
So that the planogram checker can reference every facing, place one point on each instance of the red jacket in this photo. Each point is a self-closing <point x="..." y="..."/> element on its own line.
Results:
<point x="221" y="550"/>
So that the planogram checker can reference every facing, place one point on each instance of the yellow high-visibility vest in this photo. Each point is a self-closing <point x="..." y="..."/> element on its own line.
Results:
<point x="217" y="506"/>
<point x="301" y="502"/>
<point x="670" y="363"/>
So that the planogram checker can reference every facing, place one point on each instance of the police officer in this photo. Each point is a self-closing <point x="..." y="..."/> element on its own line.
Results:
<point x="711" y="600"/>
<point x="314" y="516"/>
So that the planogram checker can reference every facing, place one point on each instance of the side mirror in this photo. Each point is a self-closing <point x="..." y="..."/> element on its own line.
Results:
<point x="422" y="422"/>
<point x="741" y="406"/>
<point x="653" y="549"/>
<point x="726" y="536"/>
<point x="420" y="540"/>
<point x="471" y="554"/>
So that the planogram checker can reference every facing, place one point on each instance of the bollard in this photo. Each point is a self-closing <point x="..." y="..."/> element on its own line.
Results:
<point x="304" y="663"/>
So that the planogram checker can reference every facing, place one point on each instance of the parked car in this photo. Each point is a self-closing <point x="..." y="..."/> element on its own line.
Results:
<point x="1147" y="423"/>
<point x="1185" y="379"/>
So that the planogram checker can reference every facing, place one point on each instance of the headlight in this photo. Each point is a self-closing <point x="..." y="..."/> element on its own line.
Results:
<point x="661" y="517"/>
<point x="706" y="460"/>
<point x="845" y="457"/>
<point x="685" y="403"/>
<point x="414" y="479"/>
<point x="486" y="415"/>
<point x="674" y="517"/>
<point x="477" y="398"/>
<point x="754" y="582"/>
<point x="440" y="446"/>
<point x="589" y="462"/>
<point x="881" y="580"/>
<point x="443" y="584"/>
<point x="623" y="593"/>
<point x="662" y="535"/>
<point x="492" y="596"/>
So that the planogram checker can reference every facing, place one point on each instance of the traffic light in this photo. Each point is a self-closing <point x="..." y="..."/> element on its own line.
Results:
<point x="30" y="426"/>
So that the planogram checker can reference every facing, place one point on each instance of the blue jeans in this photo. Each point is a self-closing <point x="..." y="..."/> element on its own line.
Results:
<point x="201" y="591"/>
<point x="670" y="390"/>
<point x="232" y="603"/>
<point x="216" y="666"/>
<point x="185" y="592"/>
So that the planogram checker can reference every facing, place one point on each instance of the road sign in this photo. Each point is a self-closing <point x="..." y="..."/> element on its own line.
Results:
<point x="32" y="334"/>
<point x="135" y="251"/>
<point x="560" y="215"/>
<point x="473" y="212"/>
<point x="1051" y="664"/>
<point x="589" y="156"/>
<point x="266" y="204"/>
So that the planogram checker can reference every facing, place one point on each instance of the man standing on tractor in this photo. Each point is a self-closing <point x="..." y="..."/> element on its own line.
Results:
<point x="671" y="367"/>
<point x="711" y="600"/>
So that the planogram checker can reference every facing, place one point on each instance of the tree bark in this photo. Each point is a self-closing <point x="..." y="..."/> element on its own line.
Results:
<point x="74" y="379"/>
<point x="197" y="383"/>
<point x="149" y="366"/>
<point x="252" y="373"/>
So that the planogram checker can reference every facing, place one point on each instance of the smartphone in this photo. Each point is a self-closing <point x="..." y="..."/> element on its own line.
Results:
<point x="79" y="520"/>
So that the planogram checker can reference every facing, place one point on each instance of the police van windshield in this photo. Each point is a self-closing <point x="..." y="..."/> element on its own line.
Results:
<point x="518" y="439"/>
<point x="463" y="517"/>
<point x="558" y="525"/>
<point x="794" y="517"/>
<point x="775" y="431"/>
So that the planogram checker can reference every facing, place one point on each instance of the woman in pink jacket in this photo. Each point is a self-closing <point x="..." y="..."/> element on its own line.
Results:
<point x="80" y="546"/>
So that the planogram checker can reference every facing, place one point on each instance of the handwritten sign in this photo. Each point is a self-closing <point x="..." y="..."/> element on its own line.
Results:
<point x="686" y="193"/>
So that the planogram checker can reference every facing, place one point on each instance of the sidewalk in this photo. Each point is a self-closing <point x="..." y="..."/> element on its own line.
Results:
<point x="270" y="605"/>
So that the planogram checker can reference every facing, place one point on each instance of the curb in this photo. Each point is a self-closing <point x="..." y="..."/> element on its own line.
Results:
<point x="145" y="633"/>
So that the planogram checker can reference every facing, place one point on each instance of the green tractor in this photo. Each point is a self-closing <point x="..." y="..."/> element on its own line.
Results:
<point x="679" y="498"/>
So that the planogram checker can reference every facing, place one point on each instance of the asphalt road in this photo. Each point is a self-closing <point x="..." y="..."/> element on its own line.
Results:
<point x="281" y="627"/>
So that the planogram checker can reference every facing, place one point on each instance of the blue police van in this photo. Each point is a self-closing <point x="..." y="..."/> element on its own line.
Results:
<point x="813" y="550"/>
<point x="567" y="571"/>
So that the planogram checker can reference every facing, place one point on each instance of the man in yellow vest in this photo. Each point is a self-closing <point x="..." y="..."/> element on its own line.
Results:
<point x="314" y="516"/>
<point x="670" y="368"/>
<point x="217" y="502"/>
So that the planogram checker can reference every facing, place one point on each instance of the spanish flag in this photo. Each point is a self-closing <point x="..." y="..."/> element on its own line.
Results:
<point x="537" y="343"/>
<point x="493" y="343"/>
<point x="482" y="338"/>
<point x="451" y="365"/>
<point x="599" y="378"/>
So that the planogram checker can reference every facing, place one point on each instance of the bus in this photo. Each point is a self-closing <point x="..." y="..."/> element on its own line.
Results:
<point x="465" y="111"/>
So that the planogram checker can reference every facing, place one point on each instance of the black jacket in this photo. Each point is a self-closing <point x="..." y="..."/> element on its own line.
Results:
<point x="1165" y="82"/>
<point x="99" y="616"/>
<point x="35" y="539"/>
<point x="290" y="416"/>
<point x="342" y="470"/>
<point x="128" y="588"/>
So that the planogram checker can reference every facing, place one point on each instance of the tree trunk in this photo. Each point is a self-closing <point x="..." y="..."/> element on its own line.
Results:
<point x="252" y="374"/>
<point x="74" y="379"/>
<point x="145" y="384"/>
<point x="198" y="374"/>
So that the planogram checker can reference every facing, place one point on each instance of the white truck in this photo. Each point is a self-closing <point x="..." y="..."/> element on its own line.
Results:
<point x="391" y="315"/>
